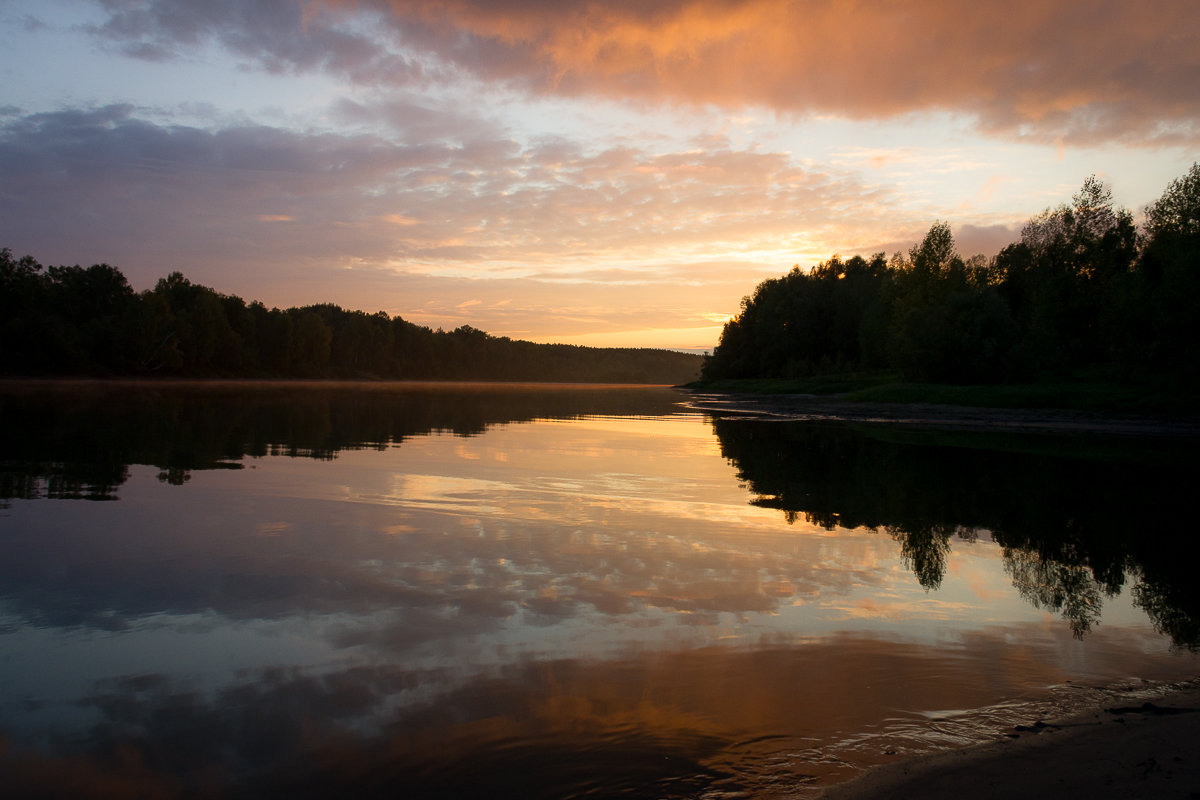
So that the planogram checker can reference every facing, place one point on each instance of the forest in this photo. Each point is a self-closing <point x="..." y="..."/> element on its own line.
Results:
<point x="76" y="321"/>
<point x="1085" y="294"/>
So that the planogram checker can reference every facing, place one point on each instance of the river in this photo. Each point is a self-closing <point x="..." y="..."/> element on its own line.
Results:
<point x="321" y="590"/>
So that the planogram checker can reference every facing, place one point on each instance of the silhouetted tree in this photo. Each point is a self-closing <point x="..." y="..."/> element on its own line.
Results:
<point x="1081" y="294"/>
<point x="70" y="320"/>
<point x="1170" y="268"/>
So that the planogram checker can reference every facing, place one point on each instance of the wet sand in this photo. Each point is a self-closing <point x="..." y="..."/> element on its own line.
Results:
<point x="1149" y="748"/>
<point x="944" y="417"/>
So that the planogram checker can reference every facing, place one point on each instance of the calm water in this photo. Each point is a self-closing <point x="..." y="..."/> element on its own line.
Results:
<point x="536" y="592"/>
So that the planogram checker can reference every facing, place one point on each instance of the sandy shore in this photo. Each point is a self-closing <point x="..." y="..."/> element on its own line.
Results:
<point x="1150" y="748"/>
<point x="946" y="417"/>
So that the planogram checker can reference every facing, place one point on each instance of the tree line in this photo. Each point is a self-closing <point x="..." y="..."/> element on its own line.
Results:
<point x="1084" y="293"/>
<point x="71" y="320"/>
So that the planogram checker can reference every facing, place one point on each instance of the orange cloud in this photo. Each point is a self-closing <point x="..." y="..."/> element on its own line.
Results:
<point x="1020" y="67"/>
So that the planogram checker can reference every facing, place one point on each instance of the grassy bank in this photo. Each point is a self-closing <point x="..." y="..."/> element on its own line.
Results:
<point x="1093" y="396"/>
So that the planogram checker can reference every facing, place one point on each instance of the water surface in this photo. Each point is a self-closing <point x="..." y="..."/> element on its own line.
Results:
<point x="551" y="592"/>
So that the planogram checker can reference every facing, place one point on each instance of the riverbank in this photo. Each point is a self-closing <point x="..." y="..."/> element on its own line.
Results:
<point x="1144" y="749"/>
<point x="836" y="408"/>
<point x="1091" y="396"/>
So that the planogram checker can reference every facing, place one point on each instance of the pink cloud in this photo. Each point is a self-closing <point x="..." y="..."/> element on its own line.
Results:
<point x="1021" y="67"/>
<point x="1041" y="69"/>
<point x="292" y="218"/>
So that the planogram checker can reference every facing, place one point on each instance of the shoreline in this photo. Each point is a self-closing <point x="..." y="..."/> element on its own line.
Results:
<point x="1143" y="748"/>
<point x="825" y="408"/>
<point x="11" y="385"/>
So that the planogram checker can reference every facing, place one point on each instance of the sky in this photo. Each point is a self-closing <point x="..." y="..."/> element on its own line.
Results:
<point x="600" y="172"/>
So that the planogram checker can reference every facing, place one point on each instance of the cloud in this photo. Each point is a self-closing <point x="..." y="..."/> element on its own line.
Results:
<point x="645" y="720"/>
<point x="985" y="239"/>
<point x="1022" y="68"/>
<point x="412" y="222"/>
<point x="127" y="184"/>
<point x="273" y="35"/>
<point x="480" y="551"/>
<point x="300" y="205"/>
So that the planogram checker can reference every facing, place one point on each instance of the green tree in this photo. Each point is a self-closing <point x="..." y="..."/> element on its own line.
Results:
<point x="198" y="326"/>
<point x="947" y="323"/>
<point x="1170" y="269"/>
<point x="24" y="302"/>
<point x="311" y="342"/>
<point x="935" y="257"/>
<point x="96" y="309"/>
<point x="1070" y="276"/>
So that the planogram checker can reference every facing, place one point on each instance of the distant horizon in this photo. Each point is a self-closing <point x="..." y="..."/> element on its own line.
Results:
<point x="596" y="173"/>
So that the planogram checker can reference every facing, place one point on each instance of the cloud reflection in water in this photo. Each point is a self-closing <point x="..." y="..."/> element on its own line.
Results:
<point x="564" y="606"/>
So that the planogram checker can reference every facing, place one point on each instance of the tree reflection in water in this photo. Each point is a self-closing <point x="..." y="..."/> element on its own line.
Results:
<point x="76" y="440"/>
<point x="1077" y="518"/>
<point x="256" y="635"/>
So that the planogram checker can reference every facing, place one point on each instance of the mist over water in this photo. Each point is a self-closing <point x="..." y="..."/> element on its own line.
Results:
<point x="521" y="592"/>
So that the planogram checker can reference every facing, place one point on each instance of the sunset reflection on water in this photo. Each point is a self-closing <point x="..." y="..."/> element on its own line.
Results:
<point x="570" y="605"/>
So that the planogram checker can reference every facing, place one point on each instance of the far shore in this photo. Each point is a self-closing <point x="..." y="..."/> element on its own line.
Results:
<point x="1143" y="748"/>
<point x="832" y="408"/>
<point x="67" y="382"/>
<point x="758" y="405"/>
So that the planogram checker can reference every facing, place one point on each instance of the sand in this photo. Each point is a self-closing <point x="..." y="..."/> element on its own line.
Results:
<point x="1150" y="748"/>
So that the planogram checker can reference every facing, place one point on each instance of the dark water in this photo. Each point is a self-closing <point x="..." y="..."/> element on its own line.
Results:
<point x="547" y="592"/>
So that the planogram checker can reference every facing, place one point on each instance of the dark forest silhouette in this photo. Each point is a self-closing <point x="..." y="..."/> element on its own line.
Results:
<point x="1085" y="293"/>
<point x="70" y="320"/>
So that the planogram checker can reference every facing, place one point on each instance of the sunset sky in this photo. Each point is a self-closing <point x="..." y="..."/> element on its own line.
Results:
<point x="615" y="172"/>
